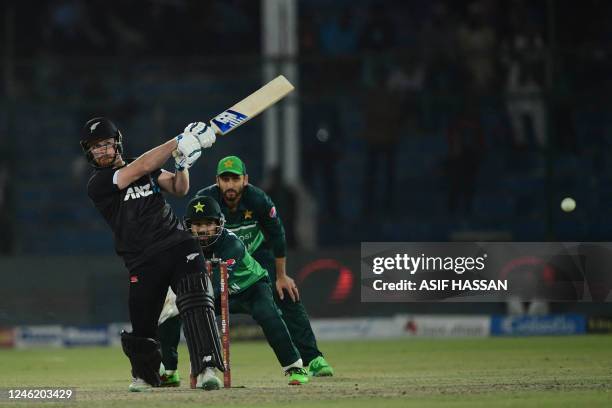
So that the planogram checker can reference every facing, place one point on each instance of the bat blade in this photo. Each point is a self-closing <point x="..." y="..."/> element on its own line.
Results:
<point x="252" y="105"/>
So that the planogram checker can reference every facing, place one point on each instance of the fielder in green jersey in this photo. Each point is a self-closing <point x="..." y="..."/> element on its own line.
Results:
<point x="252" y="216"/>
<point x="248" y="285"/>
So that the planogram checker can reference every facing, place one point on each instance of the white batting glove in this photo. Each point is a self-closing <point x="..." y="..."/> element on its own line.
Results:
<point x="204" y="133"/>
<point x="180" y="161"/>
<point x="189" y="147"/>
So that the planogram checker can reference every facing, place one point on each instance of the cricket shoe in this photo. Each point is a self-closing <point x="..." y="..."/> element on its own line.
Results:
<point x="297" y="375"/>
<point x="320" y="368"/>
<point x="139" y="385"/>
<point x="170" y="378"/>
<point x="208" y="380"/>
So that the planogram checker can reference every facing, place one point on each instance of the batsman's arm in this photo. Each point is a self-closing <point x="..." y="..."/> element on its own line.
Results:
<point x="176" y="184"/>
<point x="145" y="164"/>
<point x="187" y="145"/>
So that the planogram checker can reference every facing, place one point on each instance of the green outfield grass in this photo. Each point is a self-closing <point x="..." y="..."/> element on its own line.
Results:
<point x="503" y="372"/>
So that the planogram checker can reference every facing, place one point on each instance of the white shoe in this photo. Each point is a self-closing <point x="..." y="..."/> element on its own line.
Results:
<point x="139" y="385"/>
<point x="208" y="380"/>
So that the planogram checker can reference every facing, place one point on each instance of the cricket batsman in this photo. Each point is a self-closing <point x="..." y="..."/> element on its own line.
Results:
<point x="156" y="250"/>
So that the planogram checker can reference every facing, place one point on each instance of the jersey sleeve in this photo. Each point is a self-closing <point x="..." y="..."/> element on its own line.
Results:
<point x="102" y="184"/>
<point x="155" y="175"/>
<point x="270" y="223"/>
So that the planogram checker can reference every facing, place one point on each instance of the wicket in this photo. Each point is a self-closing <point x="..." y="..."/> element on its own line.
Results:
<point x="225" y="319"/>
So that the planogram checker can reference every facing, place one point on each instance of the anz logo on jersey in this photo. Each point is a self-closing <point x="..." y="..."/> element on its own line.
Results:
<point x="140" y="192"/>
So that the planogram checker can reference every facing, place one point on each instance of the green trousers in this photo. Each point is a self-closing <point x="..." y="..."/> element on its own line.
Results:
<point x="258" y="302"/>
<point x="294" y="313"/>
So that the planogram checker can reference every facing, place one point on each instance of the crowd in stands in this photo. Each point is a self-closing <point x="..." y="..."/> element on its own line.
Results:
<point x="424" y="115"/>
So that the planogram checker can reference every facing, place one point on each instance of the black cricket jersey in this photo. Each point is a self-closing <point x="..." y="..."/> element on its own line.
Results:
<point x="143" y="223"/>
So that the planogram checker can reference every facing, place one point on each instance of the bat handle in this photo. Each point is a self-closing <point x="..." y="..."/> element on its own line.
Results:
<point x="215" y="128"/>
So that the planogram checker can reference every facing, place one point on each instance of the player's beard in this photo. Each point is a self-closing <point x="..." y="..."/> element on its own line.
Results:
<point x="203" y="240"/>
<point x="207" y="238"/>
<point x="230" y="195"/>
<point x="106" y="160"/>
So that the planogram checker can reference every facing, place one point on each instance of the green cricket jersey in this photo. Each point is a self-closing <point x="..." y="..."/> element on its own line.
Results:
<point x="254" y="221"/>
<point x="243" y="270"/>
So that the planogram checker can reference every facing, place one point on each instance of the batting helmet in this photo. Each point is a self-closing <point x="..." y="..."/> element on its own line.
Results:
<point x="97" y="129"/>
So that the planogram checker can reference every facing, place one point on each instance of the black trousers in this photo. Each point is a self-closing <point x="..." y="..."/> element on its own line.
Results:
<point x="149" y="283"/>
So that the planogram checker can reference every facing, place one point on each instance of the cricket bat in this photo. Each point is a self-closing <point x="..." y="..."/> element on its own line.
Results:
<point x="251" y="106"/>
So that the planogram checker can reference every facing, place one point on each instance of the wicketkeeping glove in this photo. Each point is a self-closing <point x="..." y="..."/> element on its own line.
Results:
<point x="204" y="133"/>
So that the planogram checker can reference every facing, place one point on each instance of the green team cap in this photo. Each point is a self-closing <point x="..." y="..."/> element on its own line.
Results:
<point x="231" y="164"/>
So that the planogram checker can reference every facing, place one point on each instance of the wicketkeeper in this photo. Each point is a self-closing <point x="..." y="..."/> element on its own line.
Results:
<point x="250" y="291"/>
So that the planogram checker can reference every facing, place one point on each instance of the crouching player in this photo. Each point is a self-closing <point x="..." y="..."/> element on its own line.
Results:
<point x="250" y="291"/>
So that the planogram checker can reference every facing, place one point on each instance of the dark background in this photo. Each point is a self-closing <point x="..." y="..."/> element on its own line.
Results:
<point x="419" y="121"/>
